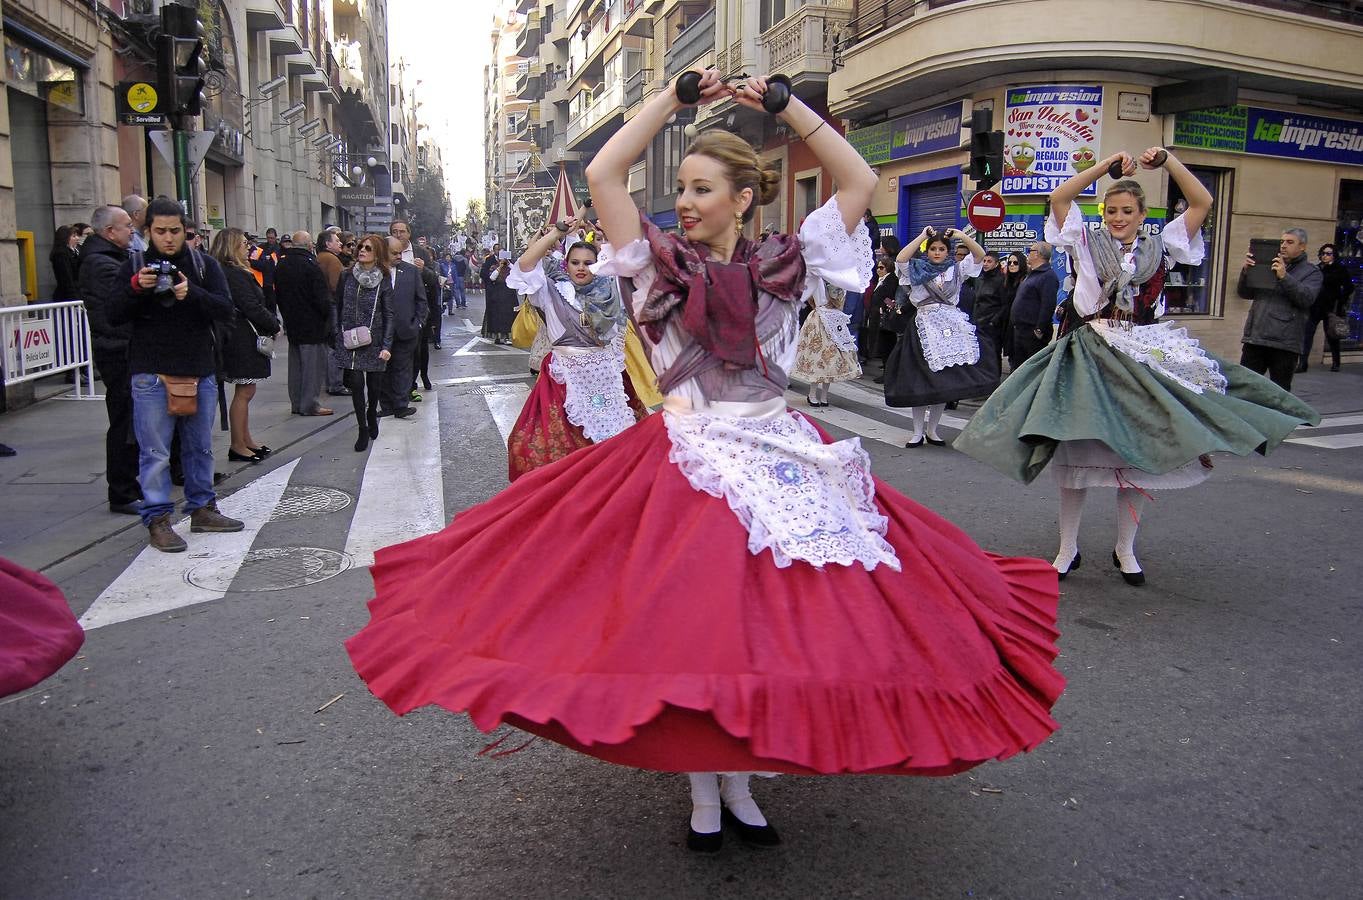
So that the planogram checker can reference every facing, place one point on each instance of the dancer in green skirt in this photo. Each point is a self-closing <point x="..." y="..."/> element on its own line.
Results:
<point x="1123" y="400"/>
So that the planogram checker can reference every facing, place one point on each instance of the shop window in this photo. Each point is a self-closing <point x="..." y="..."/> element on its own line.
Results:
<point x="1193" y="290"/>
<point x="1348" y="242"/>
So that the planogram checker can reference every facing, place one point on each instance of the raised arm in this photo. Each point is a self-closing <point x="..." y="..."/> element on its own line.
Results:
<point x="1072" y="187"/>
<point x="910" y="249"/>
<point x="1195" y="192"/>
<point x="854" y="178"/>
<point x="608" y="172"/>
<point x="543" y="244"/>
<point x="975" y="249"/>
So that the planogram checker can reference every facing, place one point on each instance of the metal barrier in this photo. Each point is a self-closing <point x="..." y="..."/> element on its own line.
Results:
<point x="44" y="339"/>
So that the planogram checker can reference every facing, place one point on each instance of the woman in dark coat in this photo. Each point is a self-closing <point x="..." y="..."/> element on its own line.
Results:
<point x="242" y="364"/>
<point x="501" y="300"/>
<point x="65" y="259"/>
<point x="1014" y="273"/>
<point x="889" y="322"/>
<point x="365" y="297"/>
<point x="1336" y="290"/>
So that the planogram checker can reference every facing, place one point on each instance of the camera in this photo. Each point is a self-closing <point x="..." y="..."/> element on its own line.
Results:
<point x="165" y="279"/>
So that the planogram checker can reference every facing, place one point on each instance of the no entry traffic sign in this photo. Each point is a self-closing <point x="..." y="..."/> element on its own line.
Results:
<point x="985" y="211"/>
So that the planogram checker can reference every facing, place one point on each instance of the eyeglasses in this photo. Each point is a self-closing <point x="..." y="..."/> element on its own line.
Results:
<point x="350" y="243"/>
<point x="1327" y="253"/>
<point x="366" y="247"/>
<point x="1012" y="262"/>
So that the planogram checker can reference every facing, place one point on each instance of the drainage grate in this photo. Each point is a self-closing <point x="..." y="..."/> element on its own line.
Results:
<point x="498" y="390"/>
<point x="269" y="569"/>
<point x="304" y="500"/>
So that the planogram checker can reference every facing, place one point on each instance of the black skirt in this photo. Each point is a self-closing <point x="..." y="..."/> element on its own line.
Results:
<point x="909" y="381"/>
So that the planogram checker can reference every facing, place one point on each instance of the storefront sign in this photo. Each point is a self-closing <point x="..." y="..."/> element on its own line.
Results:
<point x="930" y="131"/>
<point x="1132" y="107"/>
<point x="362" y="195"/>
<point x="1271" y="132"/>
<point x="1052" y="131"/>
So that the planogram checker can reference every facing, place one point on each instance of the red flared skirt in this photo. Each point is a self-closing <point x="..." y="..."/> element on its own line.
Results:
<point x="38" y="632"/>
<point x="542" y="433"/>
<point x="603" y="603"/>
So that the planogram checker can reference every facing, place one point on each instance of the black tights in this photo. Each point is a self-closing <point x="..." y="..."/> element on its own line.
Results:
<point x="366" y="414"/>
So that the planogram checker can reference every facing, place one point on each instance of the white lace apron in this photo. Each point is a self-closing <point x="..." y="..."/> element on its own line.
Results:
<point x="1165" y="348"/>
<point x="836" y="322"/>
<point x="596" y="400"/>
<point x="795" y="495"/>
<point x="947" y="337"/>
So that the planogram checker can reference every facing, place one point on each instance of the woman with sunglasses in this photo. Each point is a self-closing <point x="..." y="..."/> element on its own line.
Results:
<point x="1122" y="400"/>
<point x="364" y="297"/>
<point x="243" y="366"/>
<point x="1336" y="290"/>
<point x="721" y="588"/>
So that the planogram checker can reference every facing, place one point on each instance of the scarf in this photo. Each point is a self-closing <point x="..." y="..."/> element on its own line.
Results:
<point x="1120" y="280"/>
<point x="599" y="303"/>
<point x="924" y="273"/>
<point x="718" y="300"/>
<point x="368" y="278"/>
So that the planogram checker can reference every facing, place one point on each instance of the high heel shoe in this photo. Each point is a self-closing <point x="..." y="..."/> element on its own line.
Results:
<point x="234" y="456"/>
<point x="911" y="445"/>
<point x="756" y="835"/>
<point x="1074" y="564"/>
<point x="1135" y="579"/>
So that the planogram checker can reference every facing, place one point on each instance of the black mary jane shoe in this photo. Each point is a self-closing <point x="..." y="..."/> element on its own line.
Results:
<point x="234" y="456"/>
<point x="704" y="843"/>
<point x="756" y="835"/>
<point x="914" y="445"/>
<point x="936" y="442"/>
<point x="262" y="451"/>
<point x="1074" y="564"/>
<point x="1135" y="579"/>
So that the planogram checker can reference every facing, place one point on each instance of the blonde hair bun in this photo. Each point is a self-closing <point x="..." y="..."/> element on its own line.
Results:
<point x="741" y="165"/>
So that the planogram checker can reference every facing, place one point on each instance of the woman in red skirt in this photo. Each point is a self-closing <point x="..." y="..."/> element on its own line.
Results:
<point x="731" y="591"/>
<point x="38" y="632"/>
<point x="581" y="396"/>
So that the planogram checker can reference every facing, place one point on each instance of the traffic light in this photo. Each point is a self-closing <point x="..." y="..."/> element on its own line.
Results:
<point x="986" y="151"/>
<point x="180" y="65"/>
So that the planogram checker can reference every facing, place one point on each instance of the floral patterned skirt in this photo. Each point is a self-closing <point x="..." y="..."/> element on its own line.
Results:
<point x="819" y="357"/>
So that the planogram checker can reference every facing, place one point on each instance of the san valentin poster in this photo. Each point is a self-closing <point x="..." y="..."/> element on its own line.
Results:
<point x="1051" y="131"/>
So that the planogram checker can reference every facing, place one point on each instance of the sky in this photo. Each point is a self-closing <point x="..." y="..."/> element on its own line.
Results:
<point x="446" y="45"/>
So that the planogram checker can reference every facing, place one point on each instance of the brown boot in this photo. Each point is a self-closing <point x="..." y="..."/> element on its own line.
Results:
<point x="207" y="518"/>
<point x="161" y="536"/>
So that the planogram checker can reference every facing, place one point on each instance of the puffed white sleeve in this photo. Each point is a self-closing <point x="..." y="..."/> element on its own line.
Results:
<point x="969" y="267"/>
<point x="633" y="261"/>
<point x="533" y="284"/>
<point x="1180" y="247"/>
<point x="833" y="255"/>
<point x="1073" y="239"/>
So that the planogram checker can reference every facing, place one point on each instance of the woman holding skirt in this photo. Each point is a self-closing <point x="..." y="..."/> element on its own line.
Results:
<point x="1122" y="400"/>
<point x="730" y="590"/>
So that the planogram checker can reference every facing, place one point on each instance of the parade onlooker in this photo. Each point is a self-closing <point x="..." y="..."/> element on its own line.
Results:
<point x="501" y="300"/>
<point x="329" y="247"/>
<point x="136" y="208"/>
<point x="1276" y="323"/>
<point x="1033" y="306"/>
<point x="409" y="315"/>
<point x="102" y="256"/>
<point x="243" y="365"/>
<point x="420" y="257"/>
<point x="991" y="302"/>
<point x="65" y="260"/>
<point x="347" y="253"/>
<point x="305" y="305"/>
<point x="889" y="321"/>
<point x="365" y="298"/>
<point x="1336" y="290"/>
<point x="172" y="301"/>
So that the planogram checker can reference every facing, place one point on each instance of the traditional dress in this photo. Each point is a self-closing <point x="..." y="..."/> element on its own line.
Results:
<point x="1121" y="400"/>
<point x="938" y="358"/>
<point x="581" y="396"/>
<point x="38" y="632"/>
<point x="827" y="349"/>
<point x="731" y="590"/>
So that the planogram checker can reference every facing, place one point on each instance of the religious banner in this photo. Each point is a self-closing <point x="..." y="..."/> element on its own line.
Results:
<point x="1052" y="131"/>
<point x="529" y="213"/>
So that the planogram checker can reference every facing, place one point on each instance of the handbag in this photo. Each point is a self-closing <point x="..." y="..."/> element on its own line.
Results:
<point x="264" y="343"/>
<point x="1337" y="327"/>
<point x="360" y="336"/>
<point x="182" y="394"/>
<point x="526" y="326"/>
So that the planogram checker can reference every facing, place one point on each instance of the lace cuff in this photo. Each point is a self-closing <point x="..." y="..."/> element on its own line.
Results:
<point x="969" y="268"/>
<point x="532" y="283"/>
<point x="628" y="261"/>
<point x="1073" y="234"/>
<point x="1179" y="246"/>
<point x="831" y="253"/>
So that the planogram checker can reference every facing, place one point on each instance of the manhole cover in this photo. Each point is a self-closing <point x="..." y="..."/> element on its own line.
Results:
<point x="269" y="569"/>
<point x="303" y="500"/>
<point x="490" y="390"/>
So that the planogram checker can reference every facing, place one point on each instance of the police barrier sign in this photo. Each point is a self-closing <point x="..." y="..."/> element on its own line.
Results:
<point x="34" y="339"/>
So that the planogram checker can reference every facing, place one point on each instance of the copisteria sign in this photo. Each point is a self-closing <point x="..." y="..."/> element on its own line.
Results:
<point x="1271" y="132"/>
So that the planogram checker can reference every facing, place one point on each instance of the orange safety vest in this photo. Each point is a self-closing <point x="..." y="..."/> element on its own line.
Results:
<point x="254" y="256"/>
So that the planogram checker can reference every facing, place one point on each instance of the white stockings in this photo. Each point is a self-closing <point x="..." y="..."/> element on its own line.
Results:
<point x="1130" y="505"/>
<point x="707" y="791"/>
<point x="1071" y="511"/>
<point x="927" y="417"/>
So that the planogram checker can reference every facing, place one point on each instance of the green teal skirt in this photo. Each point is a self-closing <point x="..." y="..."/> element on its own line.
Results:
<point x="1080" y="388"/>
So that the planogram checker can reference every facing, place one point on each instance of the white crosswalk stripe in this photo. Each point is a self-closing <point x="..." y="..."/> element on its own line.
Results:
<point x="1307" y="436"/>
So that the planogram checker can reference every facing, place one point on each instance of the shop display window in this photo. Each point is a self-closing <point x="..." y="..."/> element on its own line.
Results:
<point x="1192" y="290"/>
<point x="1349" y="242"/>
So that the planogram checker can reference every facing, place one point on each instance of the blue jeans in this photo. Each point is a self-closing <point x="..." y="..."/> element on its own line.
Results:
<point x="155" y="428"/>
<point x="457" y="288"/>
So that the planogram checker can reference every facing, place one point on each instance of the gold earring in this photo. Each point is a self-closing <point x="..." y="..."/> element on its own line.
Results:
<point x="738" y="223"/>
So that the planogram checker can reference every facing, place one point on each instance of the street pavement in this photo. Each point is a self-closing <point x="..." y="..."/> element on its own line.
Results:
<point x="212" y="740"/>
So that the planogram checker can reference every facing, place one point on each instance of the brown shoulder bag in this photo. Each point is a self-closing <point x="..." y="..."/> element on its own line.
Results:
<point x="182" y="394"/>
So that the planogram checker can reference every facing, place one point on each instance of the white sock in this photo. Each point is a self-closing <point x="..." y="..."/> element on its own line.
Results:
<point x="823" y="392"/>
<point x="919" y="414"/>
<point x="1130" y="504"/>
<point x="934" y="416"/>
<point x="734" y="790"/>
<point x="1071" y="511"/>
<point x="704" y="802"/>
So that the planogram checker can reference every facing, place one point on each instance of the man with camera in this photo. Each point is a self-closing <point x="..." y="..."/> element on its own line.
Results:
<point x="1278" y="314"/>
<point x="171" y="296"/>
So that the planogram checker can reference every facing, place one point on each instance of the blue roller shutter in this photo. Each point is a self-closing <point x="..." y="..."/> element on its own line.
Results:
<point x="934" y="203"/>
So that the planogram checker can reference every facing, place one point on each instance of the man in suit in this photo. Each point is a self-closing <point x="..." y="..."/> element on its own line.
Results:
<point x="409" y="311"/>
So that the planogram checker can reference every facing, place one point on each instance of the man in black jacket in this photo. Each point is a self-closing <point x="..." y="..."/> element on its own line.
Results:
<point x="305" y="304"/>
<point x="1034" y="306"/>
<point x="171" y="296"/>
<point x="409" y="314"/>
<point x="991" y="310"/>
<point x="101" y="257"/>
<point x="1278" y="316"/>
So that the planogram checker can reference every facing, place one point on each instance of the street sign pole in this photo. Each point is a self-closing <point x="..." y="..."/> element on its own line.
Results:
<point x="184" y="180"/>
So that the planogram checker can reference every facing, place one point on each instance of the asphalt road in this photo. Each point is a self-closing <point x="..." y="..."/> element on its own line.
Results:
<point x="1208" y="748"/>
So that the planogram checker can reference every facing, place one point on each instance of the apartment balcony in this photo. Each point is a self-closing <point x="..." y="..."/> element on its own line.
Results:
<point x="528" y="41"/>
<point x="897" y="52"/>
<point x="608" y="107"/>
<point x="801" y="46"/>
<point x="264" y="15"/>
<point x="286" y="41"/>
<point x="634" y="86"/>
<point x="690" y="45"/>
<point x="533" y="89"/>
